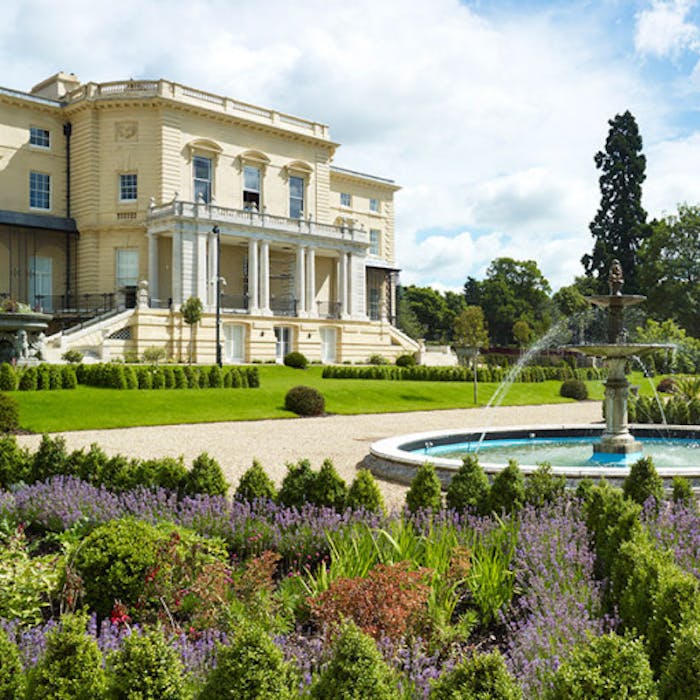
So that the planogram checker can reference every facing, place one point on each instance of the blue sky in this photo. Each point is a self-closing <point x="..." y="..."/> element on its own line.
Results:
<point x="487" y="112"/>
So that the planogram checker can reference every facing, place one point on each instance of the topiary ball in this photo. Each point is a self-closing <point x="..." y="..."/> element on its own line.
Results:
<point x="296" y="360"/>
<point x="574" y="389"/>
<point x="305" y="401"/>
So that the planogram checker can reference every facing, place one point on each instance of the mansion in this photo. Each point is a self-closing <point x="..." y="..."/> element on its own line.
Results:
<point x="121" y="200"/>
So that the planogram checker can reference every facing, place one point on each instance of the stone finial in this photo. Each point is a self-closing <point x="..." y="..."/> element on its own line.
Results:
<point x="615" y="278"/>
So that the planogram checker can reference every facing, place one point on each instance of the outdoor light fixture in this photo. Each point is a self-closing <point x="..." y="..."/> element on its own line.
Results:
<point x="217" y="233"/>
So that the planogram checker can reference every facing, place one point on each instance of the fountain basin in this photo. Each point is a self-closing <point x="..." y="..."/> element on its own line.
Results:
<point x="398" y="458"/>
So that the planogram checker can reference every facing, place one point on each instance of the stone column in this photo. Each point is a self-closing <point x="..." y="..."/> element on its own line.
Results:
<point x="176" y="271"/>
<point x="153" y="265"/>
<point x="211" y="271"/>
<point x="200" y="262"/>
<point x="265" y="279"/>
<point x="253" y="279"/>
<point x="349" y="305"/>
<point x="311" y="283"/>
<point x="300" y="282"/>
<point x="341" y="284"/>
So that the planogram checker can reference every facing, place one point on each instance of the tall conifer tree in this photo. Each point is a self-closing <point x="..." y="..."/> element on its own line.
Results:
<point x="620" y="224"/>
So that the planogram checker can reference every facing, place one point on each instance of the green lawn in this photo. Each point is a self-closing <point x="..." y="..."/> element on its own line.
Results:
<point x="89" y="408"/>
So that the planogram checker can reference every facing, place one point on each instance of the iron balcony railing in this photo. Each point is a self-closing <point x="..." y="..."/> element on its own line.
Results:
<point x="328" y="309"/>
<point x="283" y="306"/>
<point x="234" y="302"/>
<point x="79" y="304"/>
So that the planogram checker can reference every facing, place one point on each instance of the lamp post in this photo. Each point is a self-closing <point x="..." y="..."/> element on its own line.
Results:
<point x="217" y="233"/>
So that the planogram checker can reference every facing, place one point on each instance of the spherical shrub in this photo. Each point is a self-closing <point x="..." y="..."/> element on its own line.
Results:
<point x="251" y="667"/>
<point x="356" y="670"/>
<point x="146" y="666"/>
<point x="305" y="401"/>
<point x="574" y="389"/>
<point x="296" y="360"/>
<point x="364" y="493"/>
<point x="71" y="666"/>
<point x="254" y="484"/>
<point x="205" y="477"/>
<point x="328" y="488"/>
<point x="507" y="490"/>
<point x="9" y="414"/>
<point x="469" y="488"/>
<point x="297" y="484"/>
<point x="405" y="361"/>
<point x="425" y="491"/>
<point x="605" y="667"/>
<point x="479" y="676"/>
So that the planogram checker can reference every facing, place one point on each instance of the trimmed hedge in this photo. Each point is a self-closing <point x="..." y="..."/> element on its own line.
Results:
<point x="44" y="377"/>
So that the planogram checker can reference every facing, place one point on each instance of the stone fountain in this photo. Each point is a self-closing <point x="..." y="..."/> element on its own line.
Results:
<point x="616" y="443"/>
<point x="22" y="333"/>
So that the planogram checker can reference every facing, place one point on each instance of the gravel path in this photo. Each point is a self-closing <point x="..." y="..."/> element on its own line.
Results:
<point x="345" y="439"/>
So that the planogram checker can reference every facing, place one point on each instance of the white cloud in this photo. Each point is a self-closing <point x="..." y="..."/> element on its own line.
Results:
<point x="663" y="29"/>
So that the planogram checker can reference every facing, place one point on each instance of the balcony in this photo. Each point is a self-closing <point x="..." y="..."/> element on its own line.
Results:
<point x="328" y="309"/>
<point x="254" y="220"/>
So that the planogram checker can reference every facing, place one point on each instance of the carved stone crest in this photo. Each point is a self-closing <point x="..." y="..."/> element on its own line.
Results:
<point x="126" y="131"/>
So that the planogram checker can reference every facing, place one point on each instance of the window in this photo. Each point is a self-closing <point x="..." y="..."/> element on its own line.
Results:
<point x="251" y="187"/>
<point x="374" y="205"/>
<point x="127" y="267"/>
<point x="39" y="191"/>
<point x="373" y="304"/>
<point x="296" y="197"/>
<point x="345" y="199"/>
<point x="39" y="137"/>
<point x="202" y="178"/>
<point x="128" y="189"/>
<point x="374" y="238"/>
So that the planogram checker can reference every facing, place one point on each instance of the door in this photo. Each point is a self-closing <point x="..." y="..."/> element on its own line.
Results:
<point x="234" y="343"/>
<point x="283" y="342"/>
<point x="328" y="343"/>
<point x="40" y="283"/>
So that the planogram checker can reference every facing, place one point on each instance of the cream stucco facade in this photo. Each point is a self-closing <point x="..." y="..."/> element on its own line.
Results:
<point x="119" y="201"/>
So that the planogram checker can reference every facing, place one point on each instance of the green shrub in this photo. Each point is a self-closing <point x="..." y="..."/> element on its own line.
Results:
<point x="250" y="668"/>
<point x="216" y="378"/>
<point x="11" y="673"/>
<point x="296" y="360"/>
<point x="130" y="377"/>
<point x="254" y="484"/>
<point x="681" y="674"/>
<point x="377" y="360"/>
<point x="205" y="476"/>
<point x="90" y="466"/>
<point x="364" y="493"/>
<point x="297" y="484"/>
<point x="50" y="459"/>
<point x="356" y="670"/>
<point x="605" y="668"/>
<point x="43" y="376"/>
<point x="507" y="490"/>
<point x="643" y="482"/>
<point x="14" y="462"/>
<point x="165" y="472"/>
<point x="29" y="379"/>
<point x="113" y="569"/>
<point x="203" y="377"/>
<point x="305" y="401"/>
<point x="425" y="491"/>
<point x="405" y="361"/>
<point x="180" y="378"/>
<point x="542" y="486"/>
<point x="55" y="377"/>
<point x="192" y="376"/>
<point x="8" y="377"/>
<point x="682" y="492"/>
<point x="169" y="377"/>
<point x="157" y="378"/>
<point x="73" y="357"/>
<point x="146" y="668"/>
<point x="328" y="488"/>
<point x="153" y="355"/>
<point x="574" y="389"/>
<point x="145" y="378"/>
<point x="479" y="677"/>
<point x="9" y="414"/>
<point x="469" y="488"/>
<point x="68" y="377"/>
<point x="71" y="667"/>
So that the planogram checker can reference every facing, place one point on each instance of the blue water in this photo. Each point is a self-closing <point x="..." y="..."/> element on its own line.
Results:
<point x="569" y="452"/>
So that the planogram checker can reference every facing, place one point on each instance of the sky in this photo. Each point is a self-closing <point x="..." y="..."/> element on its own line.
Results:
<point x="488" y="113"/>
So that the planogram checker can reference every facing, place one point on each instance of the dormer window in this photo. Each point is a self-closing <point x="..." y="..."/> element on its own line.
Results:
<point x="251" y="187"/>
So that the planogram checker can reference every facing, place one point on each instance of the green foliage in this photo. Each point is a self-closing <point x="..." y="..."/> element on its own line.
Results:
<point x="328" y="488"/>
<point x="254" y="484"/>
<point x="619" y="226"/>
<point x="297" y="484"/>
<point x="50" y="459"/>
<point x="146" y="667"/>
<point x="508" y="489"/>
<point x="377" y="359"/>
<point x="405" y="361"/>
<point x="191" y="312"/>
<point x="356" y="671"/>
<point x="681" y="674"/>
<point x="153" y="355"/>
<point x="69" y="379"/>
<point x="364" y="493"/>
<point x="216" y="378"/>
<point x="250" y="668"/>
<point x="296" y="360"/>
<point x="14" y="462"/>
<point x="8" y="377"/>
<point x="470" y="329"/>
<point x="157" y="378"/>
<point x="9" y="414"/>
<point x="74" y="357"/>
<point x="205" y="477"/>
<point x="542" y="486"/>
<point x="144" y="377"/>
<point x="574" y="389"/>
<point x="609" y="667"/>
<point x="11" y="673"/>
<point x="479" y="677"/>
<point x="71" y="667"/>
<point x="130" y="377"/>
<point x="643" y="482"/>
<point x="425" y="492"/>
<point x="305" y="401"/>
<point x="29" y="379"/>
<point x="682" y="492"/>
<point x="469" y="488"/>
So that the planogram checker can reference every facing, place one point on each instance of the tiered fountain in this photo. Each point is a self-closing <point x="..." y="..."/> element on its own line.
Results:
<point x="573" y="451"/>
